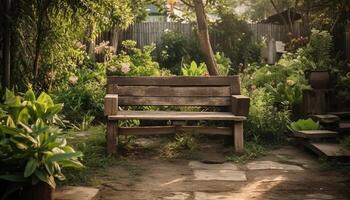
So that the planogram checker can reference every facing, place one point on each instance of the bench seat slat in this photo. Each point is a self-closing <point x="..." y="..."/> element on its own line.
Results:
<point x="178" y="91"/>
<point x="165" y="115"/>
<point x="174" y="101"/>
<point x="174" y="80"/>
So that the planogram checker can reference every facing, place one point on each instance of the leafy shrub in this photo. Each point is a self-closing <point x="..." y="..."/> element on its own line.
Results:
<point x="304" y="125"/>
<point x="317" y="53"/>
<point x="82" y="93"/>
<point x="224" y="63"/>
<point x="133" y="61"/>
<point x="174" y="49"/>
<point x="265" y="123"/>
<point x="32" y="149"/>
<point x="234" y="38"/>
<point x="194" y="69"/>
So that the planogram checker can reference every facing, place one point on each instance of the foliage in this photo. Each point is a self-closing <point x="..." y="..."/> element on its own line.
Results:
<point x="234" y="38"/>
<point x="252" y="150"/>
<point x="133" y="61"/>
<point x="266" y="123"/>
<point x="43" y="33"/>
<point x="32" y="148"/>
<point x="176" y="48"/>
<point x="82" y="91"/>
<point x="304" y="125"/>
<point x="287" y="94"/>
<point x="224" y="63"/>
<point x="317" y="53"/>
<point x="346" y="143"/>
<point x="342" y="89"/>
<point x="194" y="69"/>
<point x="182" y="142"/>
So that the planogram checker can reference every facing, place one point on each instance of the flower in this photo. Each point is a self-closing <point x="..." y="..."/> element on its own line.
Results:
<point x="290" y="82"/>
<point x="125" y="68"/>
<point x="73" y="79"/>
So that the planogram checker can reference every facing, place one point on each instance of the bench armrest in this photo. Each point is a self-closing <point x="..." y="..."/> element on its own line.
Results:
<point x="240" y="105"/>
<point x="111" y="104"/>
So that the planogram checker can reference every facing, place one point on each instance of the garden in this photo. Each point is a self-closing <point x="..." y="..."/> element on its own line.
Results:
<point x="68" y="100"/>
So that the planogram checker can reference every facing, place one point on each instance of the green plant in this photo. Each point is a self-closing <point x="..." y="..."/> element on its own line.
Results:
<point x="224" y="63"/>
<point x="32" y="149"/>
<point x="174" y="49"/>
<point x="133" y="61"/>
<point x="317" y="53"/>
<point x="182" y="142"/>
<point x="304" y="124"/>
<point x="81" y="92"/>
<point x="194" y="69"/>
<point x="287" y="94"/>
<point x="234" y="38"/>
<point x="266" y="123"/>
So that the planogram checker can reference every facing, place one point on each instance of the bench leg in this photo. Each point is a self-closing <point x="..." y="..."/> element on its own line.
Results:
<point x="112" y="137"/>
<point x="238" y="137"/>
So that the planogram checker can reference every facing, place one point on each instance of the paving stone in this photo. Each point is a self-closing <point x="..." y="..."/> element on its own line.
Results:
<point x="216" y="196"/>
<point x="224" y="166"/>
<point x="220" y="175"/>
<point x="76" y="193"/>
<point x="177" y="196"/>
<point x="271" y="165"/>
<point x="319" y="196"/>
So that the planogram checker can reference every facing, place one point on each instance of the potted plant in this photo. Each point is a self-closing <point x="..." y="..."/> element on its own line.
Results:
<point x="32" y="149"/>
<point x="316" y="58"/>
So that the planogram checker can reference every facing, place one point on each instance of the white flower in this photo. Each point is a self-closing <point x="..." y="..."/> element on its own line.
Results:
<point x="73" y="79"/>
<point x="125" y="68"/>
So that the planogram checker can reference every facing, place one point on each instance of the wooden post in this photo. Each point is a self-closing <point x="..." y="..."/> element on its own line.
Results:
<point x="238" y="137"/>
<point x="112" y="137"/>
<point x="111" y="108"/>
<point x="271" y="59"/>
<point x="240" y="105"/>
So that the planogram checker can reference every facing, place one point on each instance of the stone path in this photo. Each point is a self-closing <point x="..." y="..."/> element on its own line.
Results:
<point x="284" y="174"/>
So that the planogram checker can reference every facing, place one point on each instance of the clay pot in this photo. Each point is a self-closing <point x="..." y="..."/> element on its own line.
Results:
<point x="318" y="79"/>
<point x="40" y="191"/>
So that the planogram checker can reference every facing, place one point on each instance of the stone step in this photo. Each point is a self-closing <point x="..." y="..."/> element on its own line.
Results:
<point x="344" y="125"/>
<point x="326" y="119"/>
<point x="315" y="134"/>
<point x="330" y="150"/>
<point x="343" y="114"/>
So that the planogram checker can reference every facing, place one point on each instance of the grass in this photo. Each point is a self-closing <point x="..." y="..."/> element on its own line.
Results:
<point x="92" y="144"/>
<point x="253" y="150"/>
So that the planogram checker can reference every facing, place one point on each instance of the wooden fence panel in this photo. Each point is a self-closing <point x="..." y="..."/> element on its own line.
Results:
<point x="151" y="32"/>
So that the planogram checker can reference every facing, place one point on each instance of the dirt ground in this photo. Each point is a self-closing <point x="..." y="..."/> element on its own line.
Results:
<point x="174" y="179"/>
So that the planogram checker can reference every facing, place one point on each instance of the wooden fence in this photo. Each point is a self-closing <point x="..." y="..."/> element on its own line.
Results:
<point x="151" y="32"/>
<point x="347" y="43"/>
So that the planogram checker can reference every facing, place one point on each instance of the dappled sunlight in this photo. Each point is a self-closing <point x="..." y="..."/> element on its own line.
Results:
<point x="173" y="181"/>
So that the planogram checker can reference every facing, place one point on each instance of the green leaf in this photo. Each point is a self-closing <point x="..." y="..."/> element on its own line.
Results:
<point x="19" y="145"/>
<point x="23" y="116"/>
<point x="64" y="156"/>
<point x="30" y="168"/>
<point x="71" y="164"/>
<point x="45" y="99"/>
<point x="29" y="95"/>
<point x="9" y="130"/>
<point x="45" y="178"/>
<point x="13" y="177"/>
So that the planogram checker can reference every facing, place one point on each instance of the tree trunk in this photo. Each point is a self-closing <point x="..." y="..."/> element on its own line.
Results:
<point x="7" y="47"/>
<point x="203" y="37"/>
<point x="285" y="22"/>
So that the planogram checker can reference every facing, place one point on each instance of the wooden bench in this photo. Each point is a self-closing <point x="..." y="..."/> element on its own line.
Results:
<point x="215" y="91"/>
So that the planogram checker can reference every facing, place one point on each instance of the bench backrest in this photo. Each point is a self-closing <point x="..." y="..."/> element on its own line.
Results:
<point x="175" y="90"/>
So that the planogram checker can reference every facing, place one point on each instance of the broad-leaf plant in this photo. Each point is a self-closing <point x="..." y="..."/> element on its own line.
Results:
<point x="32" y="147"/>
